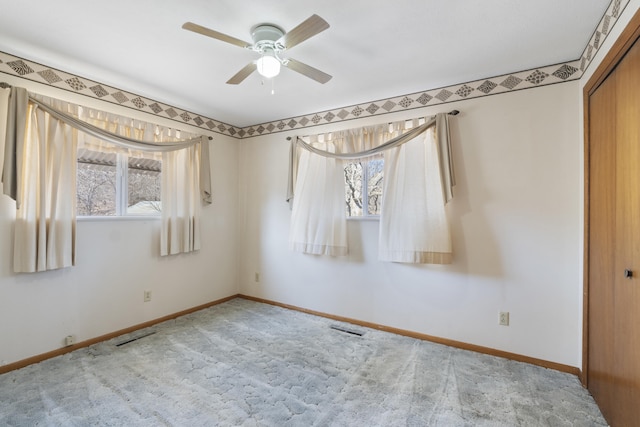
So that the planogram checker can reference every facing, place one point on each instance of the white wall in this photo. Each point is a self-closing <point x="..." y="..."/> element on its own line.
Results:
<point x="515" y="223"/>
<point x="116" y="261"/>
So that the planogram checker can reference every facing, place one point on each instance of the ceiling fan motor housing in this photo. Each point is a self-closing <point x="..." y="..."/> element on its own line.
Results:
<point x="266" y="32"/>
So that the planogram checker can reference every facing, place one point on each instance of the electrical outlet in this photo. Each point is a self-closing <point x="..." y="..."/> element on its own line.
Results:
<point x="504" y="318"/>
<point x="70" y="340"/>
<point x="257" y="277"/>
<point x="147" y="296"/>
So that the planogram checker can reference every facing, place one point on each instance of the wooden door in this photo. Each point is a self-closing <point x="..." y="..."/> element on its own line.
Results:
<point x="627" y="290"/>
<point x="602" y="219"/>
<point x="614" y="243"/>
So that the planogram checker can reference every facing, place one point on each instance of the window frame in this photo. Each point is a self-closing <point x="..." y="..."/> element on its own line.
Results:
<point x="121" y="193"/>
<point x="366" y="216"/>
<point x="122" y="183"/>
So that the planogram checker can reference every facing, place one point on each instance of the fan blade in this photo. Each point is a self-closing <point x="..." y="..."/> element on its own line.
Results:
<point x="214" y="34"/>
<point x="309" y="28"/>
<point x="242" y="74"/>
<point x="307" y="70"/>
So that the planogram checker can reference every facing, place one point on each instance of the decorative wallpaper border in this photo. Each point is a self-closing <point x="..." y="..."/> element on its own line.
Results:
<point x="538" y="77"/>
<point x="33" y="71"/>
<point x="505" y="83"/>
<point x="603" y="29"/>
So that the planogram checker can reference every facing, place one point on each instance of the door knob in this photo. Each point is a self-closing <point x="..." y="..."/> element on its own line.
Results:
<point x="628" y="274"/>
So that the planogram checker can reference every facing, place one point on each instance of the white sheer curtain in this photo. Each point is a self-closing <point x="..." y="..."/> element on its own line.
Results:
<point x="180" y="215"/>
<point x="318" y="217"/>
<point x="45" y="225"/>
<point x="413" y="223"/>
<point x="316" y="177"/>
<point x="418" y="179"/>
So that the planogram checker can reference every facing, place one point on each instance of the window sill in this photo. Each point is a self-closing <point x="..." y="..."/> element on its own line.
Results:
<point x="118" y="218"/>
<point x="363" y="218"/>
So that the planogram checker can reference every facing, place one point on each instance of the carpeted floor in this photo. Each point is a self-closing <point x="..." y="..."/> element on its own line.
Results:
<point x="243" y="363"/>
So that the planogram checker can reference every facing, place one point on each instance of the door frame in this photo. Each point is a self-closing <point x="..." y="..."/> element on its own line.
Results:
<point x="621" y="46"/>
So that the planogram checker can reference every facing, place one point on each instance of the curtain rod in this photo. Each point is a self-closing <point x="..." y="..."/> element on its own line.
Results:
<point x="5" y="85"/>
<point x="451" y="113"/>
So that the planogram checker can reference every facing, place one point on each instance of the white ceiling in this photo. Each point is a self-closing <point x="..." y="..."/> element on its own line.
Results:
<point x="375" y="49"/>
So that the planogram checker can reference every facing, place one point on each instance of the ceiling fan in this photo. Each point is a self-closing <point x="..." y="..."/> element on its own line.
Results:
<point x="270" y="41"/>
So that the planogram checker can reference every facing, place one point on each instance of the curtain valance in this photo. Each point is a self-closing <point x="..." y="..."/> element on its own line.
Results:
<point x="144" y="142"/>
<point x="147" y="139"/>
<point x="374" y="140"/>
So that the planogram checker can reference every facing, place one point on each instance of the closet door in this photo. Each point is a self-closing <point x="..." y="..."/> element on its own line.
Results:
<point x="602" y="220"/>
<point x="627" y="289"/>
<point x="614" y="243"/>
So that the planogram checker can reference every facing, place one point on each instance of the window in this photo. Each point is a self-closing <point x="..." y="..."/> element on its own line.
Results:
<point x="117" y="184"/>
<point x="364" y="174"/>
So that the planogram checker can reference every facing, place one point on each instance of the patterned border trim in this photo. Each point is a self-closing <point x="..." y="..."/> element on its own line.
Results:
<point x="537" y="77"/>
<point x="23" y="68"/>
<point x="603" y="29"/>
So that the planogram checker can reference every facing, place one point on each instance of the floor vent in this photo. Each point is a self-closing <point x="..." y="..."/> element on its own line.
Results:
<point x="348" y="331"/>
<point x="130" y="340"/>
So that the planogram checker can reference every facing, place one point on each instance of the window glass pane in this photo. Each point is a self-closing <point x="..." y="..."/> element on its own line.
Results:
<point x="374" y="184"/>
<point x="353" y="188"/>
<point x="96" y="183"/>
<point x="144" y="186"/>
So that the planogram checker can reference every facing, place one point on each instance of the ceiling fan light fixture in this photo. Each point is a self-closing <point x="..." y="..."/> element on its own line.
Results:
<point x="268" y="66"/>
<point x="271" y="41"/>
